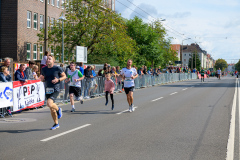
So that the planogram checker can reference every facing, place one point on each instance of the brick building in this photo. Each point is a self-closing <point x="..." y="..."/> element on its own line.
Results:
<point x="21" y="21"/>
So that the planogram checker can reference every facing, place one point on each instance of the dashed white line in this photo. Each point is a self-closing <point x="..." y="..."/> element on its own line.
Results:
<point x="126" y="110"/>
<point x="157" y="99"/>
<point x="61" y="134"/>
<point x="173" y="93"/>
<point x="185" y="89"/>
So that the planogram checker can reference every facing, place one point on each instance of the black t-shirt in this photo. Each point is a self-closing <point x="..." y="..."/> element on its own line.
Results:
<point x="50" y="74"/>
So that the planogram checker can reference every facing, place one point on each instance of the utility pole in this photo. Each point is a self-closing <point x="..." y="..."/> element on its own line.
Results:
<point x="46" y="28"/>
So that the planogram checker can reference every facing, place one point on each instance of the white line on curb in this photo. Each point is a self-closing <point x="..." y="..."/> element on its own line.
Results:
<point x="61" y="134"/>
<point x="157" y="99"/>
<point x="230" y="145"/>
<point x="126" y="110"/>
<point x="185" y="89"/>
<point x="173" y="93"/>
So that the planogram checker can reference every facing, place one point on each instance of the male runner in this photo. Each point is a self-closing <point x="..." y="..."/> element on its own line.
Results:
<point x="75" y="77"/>
<point x="219" y="73"/>
<point x="52" y="75"/>
<point x="129" y="74"/>
<point x="202" y="74"/>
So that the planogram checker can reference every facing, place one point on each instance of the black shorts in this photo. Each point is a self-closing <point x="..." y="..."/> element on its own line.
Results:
<point x="128" y="89"/>
<point x="75" y="90"/>
<point x="202" y="75"/>
<point x="52" y="96"/>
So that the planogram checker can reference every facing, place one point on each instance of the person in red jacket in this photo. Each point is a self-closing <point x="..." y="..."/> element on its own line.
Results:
<point x="109" y="88"/>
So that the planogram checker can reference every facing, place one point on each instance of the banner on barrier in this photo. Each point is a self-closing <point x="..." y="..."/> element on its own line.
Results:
<point x="28" y="95"/>
<point x="6" y="91"/>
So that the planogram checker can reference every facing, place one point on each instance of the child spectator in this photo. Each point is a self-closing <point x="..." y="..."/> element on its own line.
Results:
<point x="109" y="88"/>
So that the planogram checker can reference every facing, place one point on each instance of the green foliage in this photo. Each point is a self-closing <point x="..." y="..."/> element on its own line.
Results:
<point x="221" y="63"/>
<point x="237" y="66"/>
<point x="198" y="64"/>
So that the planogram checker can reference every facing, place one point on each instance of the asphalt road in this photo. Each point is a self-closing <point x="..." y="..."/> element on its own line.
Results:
<point x="186" y="120"/>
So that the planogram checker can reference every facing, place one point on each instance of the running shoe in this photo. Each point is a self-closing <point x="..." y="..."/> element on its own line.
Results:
<point x="55" y="126"/>
<point x="59" y="113"/>
<point x="133" y="109"/>
<point x="81" y="100"/>
<point x="130" y="109"/>
<point x="112" y="106"/>
<point x="106" y="103"/>
<point x="73" y="110"/>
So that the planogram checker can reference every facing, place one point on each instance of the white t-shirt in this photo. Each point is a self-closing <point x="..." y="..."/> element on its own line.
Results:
<point x="74" y="75"/>
<point x="44" y="60"/>
<point x="128" y="73"/>
<point x="34" y="73"/>
<point x="219" y="71"/>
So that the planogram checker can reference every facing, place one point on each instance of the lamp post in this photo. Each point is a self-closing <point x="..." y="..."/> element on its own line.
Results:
<point x="62" y="18"/>
<point x="182" y="45"/>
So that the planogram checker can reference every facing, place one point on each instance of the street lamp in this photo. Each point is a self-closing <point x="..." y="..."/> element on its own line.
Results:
<point x="182" y="44"/>
<point x="62" y="18"/>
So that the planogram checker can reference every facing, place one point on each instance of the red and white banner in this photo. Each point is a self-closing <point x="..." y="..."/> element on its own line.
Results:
<point x="28" y="95"/>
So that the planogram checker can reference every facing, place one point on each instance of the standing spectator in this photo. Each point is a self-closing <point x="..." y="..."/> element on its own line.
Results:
<point x="109" y="88"/>
<point x="7" y="64"/>
<point x="88" y="82"/>
<point x="81" y="68"/>
<point x="155" y="72"/>
<point x="44" y="60"/>
<point x="67" y="84"/>
<point x="94" y="81"/>
<point x="20" y="74"/>
<point x="5" y="75"/>
<point x="28" y="70"/>
<point x="145" y="70"/>
<point x="35" y="69"/>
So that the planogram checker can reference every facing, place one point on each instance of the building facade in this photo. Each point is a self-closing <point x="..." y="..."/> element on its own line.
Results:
<point x="21" y="21"/>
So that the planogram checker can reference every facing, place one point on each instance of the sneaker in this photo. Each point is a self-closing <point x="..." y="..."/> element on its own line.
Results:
<point x="55" y="126"/>
<point x="59" y="112"/>
<point x="81" y="100"/>
<point x="9" y="112"/>
<point x="106" y="103"/>
<point x="73" y="110"/>
<point x="77" y="99"/>
<point x="130" y="109"/>
<point x="112" y="106"/>
<point x="133" y="109"/>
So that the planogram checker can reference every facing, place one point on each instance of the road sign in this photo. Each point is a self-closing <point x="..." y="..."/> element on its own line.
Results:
<point x="81" y="54"/>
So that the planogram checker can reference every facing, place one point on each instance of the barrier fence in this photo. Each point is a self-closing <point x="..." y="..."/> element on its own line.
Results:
<point x="20" y="96"/>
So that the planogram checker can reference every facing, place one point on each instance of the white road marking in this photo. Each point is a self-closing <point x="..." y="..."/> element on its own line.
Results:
<point x="126" y="110"/>
<point x="173" y="93"/>
<point x="61" y="134"/>
<point x="157" y="99"/>
<point x="185" y="89"/>
<point x="230" y="145"/>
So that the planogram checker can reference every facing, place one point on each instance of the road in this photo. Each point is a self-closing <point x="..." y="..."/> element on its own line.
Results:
<point x="186" y="120"/>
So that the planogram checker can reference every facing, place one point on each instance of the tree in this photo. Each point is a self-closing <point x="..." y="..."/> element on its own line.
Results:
<point x="237" y="66"/>
<point x="91" y="25"/>
<point x="221" y="63"/>
<point x="198" y="64"/>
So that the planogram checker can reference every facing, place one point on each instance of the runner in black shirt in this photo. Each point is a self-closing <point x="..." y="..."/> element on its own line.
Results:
<point x="53" y="75"/>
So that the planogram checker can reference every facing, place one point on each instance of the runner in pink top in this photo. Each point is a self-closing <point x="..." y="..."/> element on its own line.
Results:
<point x="109" y="88"/>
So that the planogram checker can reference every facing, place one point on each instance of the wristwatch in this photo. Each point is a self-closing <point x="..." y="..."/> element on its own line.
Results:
<point x="58" y="80"/>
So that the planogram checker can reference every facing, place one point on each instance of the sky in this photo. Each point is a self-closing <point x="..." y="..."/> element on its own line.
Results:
<point x="213" y="24"/>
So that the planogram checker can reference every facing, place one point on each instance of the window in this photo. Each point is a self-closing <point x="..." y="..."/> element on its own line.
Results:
<point x="29" y="19"/>
<point x="189" y="54"/>
<point x="41" y="51"/>
<point x="62" y="4"/>
<point x="185" y="54"/>
<point x="35" y="21"/>
<point x="41" y="0"/>
<point x="52" y="23"/>
<point x="28" y="51"/>
<point x="48" y="1"/>
<point x="53" y="2"/>
<point x="41" y="21"/>
<point x="34" y="51"/>
<point x="58" y="3"/>
<point x="113" y="5"/>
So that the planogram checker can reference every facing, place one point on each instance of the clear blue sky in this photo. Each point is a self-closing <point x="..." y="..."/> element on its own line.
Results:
<point x="214" y="24"/>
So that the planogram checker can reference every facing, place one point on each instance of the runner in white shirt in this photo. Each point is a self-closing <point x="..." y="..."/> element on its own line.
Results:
<point x="75" y="77"/>
<point x="219" y="73"/>
<point x="129" y="74"/>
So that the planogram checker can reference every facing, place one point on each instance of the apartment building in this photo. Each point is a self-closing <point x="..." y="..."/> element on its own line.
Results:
<point x="21" y="21"/>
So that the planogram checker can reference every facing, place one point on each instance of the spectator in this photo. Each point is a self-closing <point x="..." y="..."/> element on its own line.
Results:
<point x="145" y="70"/>
<point x="94" y="81"/>
<point x="20" y="74"/>
<point x="35" y="69"/>
<point x="88" y="82"/>
<point x="155" y="72"/>
<point x="81" y="68"/>
<point x="140" y="71"/>
<point x="119" y="79"/>
<point x="7" y="64"/>
<point x="101" y="72"/>
<point x="28" y="70"/>
<point x="44" y="60"/>
<point x="5" y="75"/>
<point x="67" y="84"/>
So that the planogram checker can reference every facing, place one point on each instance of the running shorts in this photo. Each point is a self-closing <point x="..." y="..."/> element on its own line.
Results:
<point x="128" y="89"/>
<point x="75" y="90"/>
<point x="52" y="96"/>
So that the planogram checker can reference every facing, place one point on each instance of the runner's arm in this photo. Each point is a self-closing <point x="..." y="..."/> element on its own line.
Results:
<point x="63" y="76"/>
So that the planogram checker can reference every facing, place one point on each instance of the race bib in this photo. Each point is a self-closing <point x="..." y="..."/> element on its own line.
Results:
<point x="128" y="78"/>
<point x="72" y="83"/>
<point x="49" y="90"/>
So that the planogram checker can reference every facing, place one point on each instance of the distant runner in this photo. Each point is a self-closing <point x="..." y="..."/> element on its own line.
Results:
<point x="53" y="75"/>
<point x="129" y="74"/>
<point x="219" y="73"/>
<point x="75" y="77"/>
<point x="202" y="72"/>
